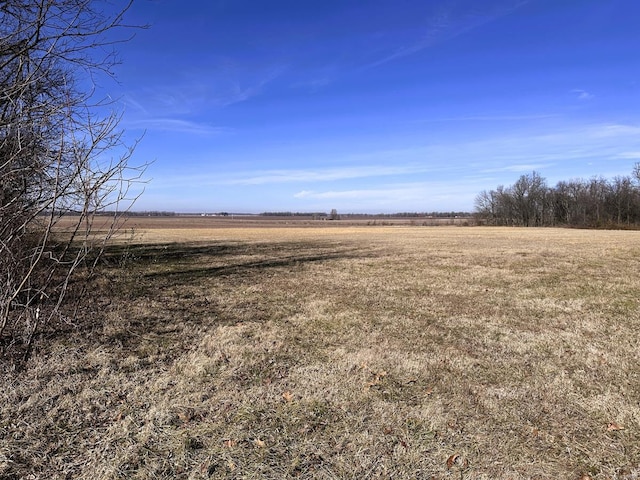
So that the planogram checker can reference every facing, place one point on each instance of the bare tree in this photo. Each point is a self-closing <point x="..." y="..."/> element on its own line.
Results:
<point x="529" y="193"/>
<point x="61" y="155"/>
<point x="486" y="205"/>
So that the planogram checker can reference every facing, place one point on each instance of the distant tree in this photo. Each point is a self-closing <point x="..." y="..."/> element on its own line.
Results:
<point x="486" y="206"/>
<point x="334" y="215"/>
<point x="529" y="195"/>
<point x="59" y="154"/>
<point x="618" y="200"/>
<point x="563" y="203"/>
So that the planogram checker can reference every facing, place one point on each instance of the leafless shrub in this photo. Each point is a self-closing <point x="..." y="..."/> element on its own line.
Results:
<point x="60" y="155"/>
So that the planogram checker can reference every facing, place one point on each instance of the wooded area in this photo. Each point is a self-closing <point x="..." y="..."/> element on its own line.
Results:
<point x="594" y="203"/>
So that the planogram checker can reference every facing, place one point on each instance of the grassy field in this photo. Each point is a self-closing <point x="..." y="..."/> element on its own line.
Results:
<point x="347" y="352"/>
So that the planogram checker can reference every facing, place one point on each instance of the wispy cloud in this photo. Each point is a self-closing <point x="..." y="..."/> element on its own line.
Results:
<point x="313" y="84"/>
<point x="132" y="103"/>
<point x="435" y="31"/>
<point x="395" y="196"/>
<point x="615" y="130"/>
<point x="176" y="126"/>
<point x="446" y="25"/>
<point x="407" y="191"/>
<point x="582" y="94"/>
<point x="518" y="168"/>
<point x="236" y="89"/>
<point x="173" y="107"/>
<point x="629" y="155"/>
<point x="326" y="175"/>
<point x="491" y="118"/>
<point x="196" y="93"/>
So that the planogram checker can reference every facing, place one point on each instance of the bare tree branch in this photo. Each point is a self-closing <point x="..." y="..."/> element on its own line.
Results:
<point x="60" y="155"/>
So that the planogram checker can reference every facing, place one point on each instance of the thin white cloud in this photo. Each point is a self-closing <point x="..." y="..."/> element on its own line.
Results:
<point x="616" y="130"/>
<point x="128" y="100"/>
<point x="490" y="118"/>
<point x="629" y="155"/>
<point x="349" y="194"/>
<point x="582" y="94"/>
<point x="176" y="126"/>
<point x="444" y="25"/>
<point x="432" y="195"/>
<point x="314" y="84"/>
<point x="237" y="91"/>
<point x="434" y="32"/>
<point x="518" y="168"/>
<point x="157" y="106"/>
<point x="326" y="175"/>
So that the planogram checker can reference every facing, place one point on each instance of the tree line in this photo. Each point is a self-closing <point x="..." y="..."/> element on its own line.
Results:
<point x="593" y="203"/>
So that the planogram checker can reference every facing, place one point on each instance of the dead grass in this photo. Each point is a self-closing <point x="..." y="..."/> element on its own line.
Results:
<point x="360" y="352"/>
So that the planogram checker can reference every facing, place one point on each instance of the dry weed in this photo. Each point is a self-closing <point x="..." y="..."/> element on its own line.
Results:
<point x="345" y="353"/>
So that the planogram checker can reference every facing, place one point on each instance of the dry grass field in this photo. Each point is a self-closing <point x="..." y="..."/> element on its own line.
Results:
<point x="342" y="352"/>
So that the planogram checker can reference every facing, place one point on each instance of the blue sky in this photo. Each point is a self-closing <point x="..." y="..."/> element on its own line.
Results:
<point x="375" y="106"/>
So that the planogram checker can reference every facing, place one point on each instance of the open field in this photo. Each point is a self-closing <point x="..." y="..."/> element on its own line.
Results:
<point x="341" y="352"/>
<point x="196" y="222"/>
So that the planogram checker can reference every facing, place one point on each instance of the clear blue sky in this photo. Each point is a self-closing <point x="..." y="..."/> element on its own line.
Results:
<point x="376" y="106"/>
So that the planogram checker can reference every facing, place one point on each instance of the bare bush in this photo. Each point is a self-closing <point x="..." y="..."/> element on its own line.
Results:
<point x="62" y="154"/>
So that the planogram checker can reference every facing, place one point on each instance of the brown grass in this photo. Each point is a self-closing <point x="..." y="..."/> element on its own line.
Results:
<point x="343" y="352"/>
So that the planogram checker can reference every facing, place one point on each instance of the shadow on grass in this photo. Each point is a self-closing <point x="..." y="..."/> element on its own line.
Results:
<point x="183" y="263"/>
<point x="152" y="298"/>
<point x="284" y="259"/>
